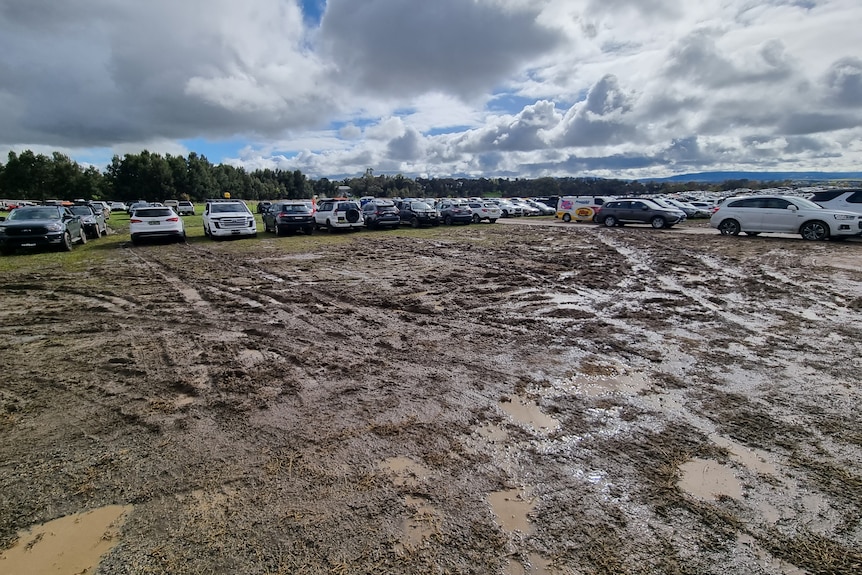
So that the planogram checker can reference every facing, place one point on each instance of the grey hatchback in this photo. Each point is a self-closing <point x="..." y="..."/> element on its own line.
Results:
<point x="637" y="211"/>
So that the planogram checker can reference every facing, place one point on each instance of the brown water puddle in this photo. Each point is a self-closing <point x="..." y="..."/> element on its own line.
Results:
<point x="407" y="472"/>
<point x="71" y="545"/>
<point x="708" y="480"/>
<point x="512" y="509"/>
<point x="529" y="413"/>
<point x="422" y="525"/>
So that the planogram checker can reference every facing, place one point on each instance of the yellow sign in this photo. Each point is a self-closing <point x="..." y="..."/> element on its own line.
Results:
<point x="227" y="195"/>
<point x="584" y="212"/>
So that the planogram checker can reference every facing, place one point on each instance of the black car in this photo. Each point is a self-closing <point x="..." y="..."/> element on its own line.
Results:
<point x="287" y="217"/>
<point x="637" y="211"/>
<point x="455" y="212"/>
<point x="263" y="207"/>
<point x="417" y="213"/>
<point x="380" y="213"/>
<point x="34" y="226"/>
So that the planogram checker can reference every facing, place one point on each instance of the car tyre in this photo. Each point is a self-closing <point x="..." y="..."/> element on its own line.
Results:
<point x="476" y="218"/>
<point x="815" y="231"/>
<point x="567" y="218"/>
<point x="447" y="220"/>
<point x="492" y="220"/>
<point x="414" y="222"/>
<point x="66" y="246"/>
<point x="610" y="221"/>
<point x="729" y="228"/>
<point x="658" y="223"/>
<point x="82" y="239"/>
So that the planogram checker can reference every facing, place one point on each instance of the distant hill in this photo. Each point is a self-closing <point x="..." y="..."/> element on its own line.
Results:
<point x="716" y="177"/>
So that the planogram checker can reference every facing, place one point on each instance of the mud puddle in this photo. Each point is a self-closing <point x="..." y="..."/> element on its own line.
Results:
<point x="71" y="545"/>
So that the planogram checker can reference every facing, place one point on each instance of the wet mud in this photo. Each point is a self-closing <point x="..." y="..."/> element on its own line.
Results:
<point x="479" y="399"/>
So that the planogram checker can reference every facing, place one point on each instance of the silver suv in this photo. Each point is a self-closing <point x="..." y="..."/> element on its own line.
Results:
<point x="783" y="214"/>
<point x="223" y="218"/>
<point x="849" y="200"/>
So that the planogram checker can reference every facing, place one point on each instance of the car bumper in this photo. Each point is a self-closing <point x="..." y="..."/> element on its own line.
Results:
<point x="32" y="241"/>
<point x="226" y="232"/>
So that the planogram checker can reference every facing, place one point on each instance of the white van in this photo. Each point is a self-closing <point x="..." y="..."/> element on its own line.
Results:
<point x="579" y="208"/>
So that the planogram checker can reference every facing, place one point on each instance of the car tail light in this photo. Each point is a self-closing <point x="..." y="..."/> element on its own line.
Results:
<point x="176" y="219"/>
<point x="135" y="221"/>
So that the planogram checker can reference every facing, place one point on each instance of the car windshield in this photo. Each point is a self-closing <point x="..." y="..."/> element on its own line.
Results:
<point x="38" y="213"/>
<point x="419" y="206"/>
<point x="153" y="212"/>
<point x="295" y="209"/>
<point x="81" y="210"/>
<point x="225" y="208"/>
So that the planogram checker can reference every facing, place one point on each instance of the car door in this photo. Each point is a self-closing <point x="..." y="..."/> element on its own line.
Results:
<point x="777" y="215"/>
<point x="638" y="212"/>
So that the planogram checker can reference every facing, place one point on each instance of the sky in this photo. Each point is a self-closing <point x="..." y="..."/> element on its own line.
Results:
<point x="625" y="89"/>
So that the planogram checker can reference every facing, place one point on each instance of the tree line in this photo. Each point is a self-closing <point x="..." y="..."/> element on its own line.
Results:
<point x="153" y="177"/>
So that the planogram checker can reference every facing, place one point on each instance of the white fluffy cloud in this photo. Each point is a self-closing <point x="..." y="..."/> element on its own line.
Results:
<point x="624" y="88"/>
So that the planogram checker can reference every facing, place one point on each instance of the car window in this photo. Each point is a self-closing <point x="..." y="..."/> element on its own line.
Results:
<point x="295" y="209"/>
<point x="855" y="198"/>
<point x="153" y="212"/>
<point x="776" y="203"/>
<point x="347" y="206"/>
<point x="826" y="195"/>
<point x="419" y="206"/>
<point x="747" y="203"/>
<point x="81" y="210"/>
<point x="327" y="206"/>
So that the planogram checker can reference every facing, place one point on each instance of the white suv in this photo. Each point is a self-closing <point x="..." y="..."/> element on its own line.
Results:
<point x="224" y="218"/>
<point x="338" y="214"/>
<point x="784" y="214"/>
<point x="848" y="200"/>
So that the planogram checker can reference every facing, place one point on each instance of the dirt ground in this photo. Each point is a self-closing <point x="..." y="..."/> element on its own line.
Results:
<point x="500" y="398"/>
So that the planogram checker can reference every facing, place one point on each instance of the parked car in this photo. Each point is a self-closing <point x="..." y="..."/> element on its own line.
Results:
<point x="544" y="209"/>
<point x="417" y="213"/>
<point x="579" y="208"/>
<point x="118" y="206"/>
<point x="691" y="211"/>
<point x="156" y="223"/>
<point x="172" y="204"/>
<point x="380" y="212"/>
<point x="665" y="204"/>
<point x="847" y="200"/>
<point x="100" y="206"/>
<point x="455" y="212"/>
<point x="284" y="218"/>
<point x="34" y="226"/>
<point x="508" y="209"/>
<point x="92" y="220"/>
<point x="484" y="210"/>
<point x="185" y="208"/>
<point x="637" y="211"/>
<point x="338" y="214"/>
<point x="784" y="214"/>
<point x="135" y="205"/>
<point x="526" y="208"/>
<point x="263" y="207"/>
<point x="228" y="218"/>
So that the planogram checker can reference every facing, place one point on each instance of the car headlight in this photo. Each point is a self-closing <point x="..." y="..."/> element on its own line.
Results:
<point x="55" y="227"/>
<point x="844" y="217"/>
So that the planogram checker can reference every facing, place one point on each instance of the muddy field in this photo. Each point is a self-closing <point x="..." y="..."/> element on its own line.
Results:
<point x="489" y="399"/>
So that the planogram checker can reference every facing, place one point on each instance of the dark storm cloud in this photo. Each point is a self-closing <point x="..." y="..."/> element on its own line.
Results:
<point x="406" y="147"/>
<point x="465" y="48"/>
<point x="844" y="82"/>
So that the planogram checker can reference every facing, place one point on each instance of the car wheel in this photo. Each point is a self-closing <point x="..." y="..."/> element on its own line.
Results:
<point x="567" y="218"/>
<point x="329" y="226"/>
<point x="352" y="215"/>
<point x="814" y="231"/>
<point x="278" y="231"/>
<point x="492" y="220"/>
<point x="610" y="221"/>
<point x="658" y="222"/>
<point x="309" y="230"/>
<point x="414" y="222"/>
<point x="729" y="228"/>
<point x="752" y="234"/>
<point x="83" y="237"/>
<point x="66" y="246"/>
<point x="447" y="220"/>
<point x="476" y="218"/>
<point x="206" y="231"/>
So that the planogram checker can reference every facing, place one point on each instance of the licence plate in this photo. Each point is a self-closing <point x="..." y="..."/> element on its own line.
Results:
<point x="154" y="223"/>
<point x="28" y="245"/>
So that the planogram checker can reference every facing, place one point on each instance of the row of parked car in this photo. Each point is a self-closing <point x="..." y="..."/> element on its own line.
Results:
<point x="819" y="217"/>
<point x="54" y="225"/>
